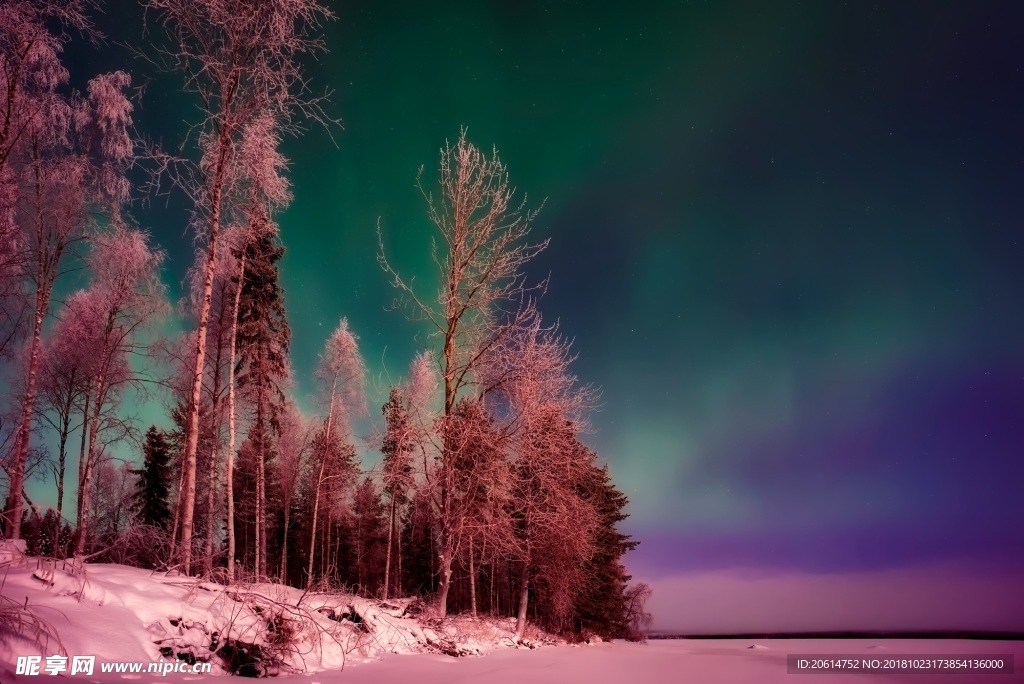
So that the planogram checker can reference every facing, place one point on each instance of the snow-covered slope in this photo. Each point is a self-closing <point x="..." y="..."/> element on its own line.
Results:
<point x="119" y="613"/>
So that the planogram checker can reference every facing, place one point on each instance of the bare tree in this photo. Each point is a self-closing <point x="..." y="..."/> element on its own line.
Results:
<point x="66" y="370"/>
<point x="111" y="506"/>
<point x="243" y="60"/>
<point x="639" y="619"/>
<point x="480" y="258"/>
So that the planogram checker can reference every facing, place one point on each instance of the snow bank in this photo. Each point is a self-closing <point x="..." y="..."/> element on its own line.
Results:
<point x="120" y="613"/>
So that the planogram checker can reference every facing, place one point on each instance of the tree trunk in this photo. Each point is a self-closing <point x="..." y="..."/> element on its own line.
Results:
<point x="524" y="594"/>
<point x="261" y="518"/>
<point x="175" y="528"/>
<point x="188" y="496"/>
<point x="472" y="580"/>
<point x="312" y="527"/>
<point x="430" y="545"/>
<point x="12" y="511"/>
<point x="359" y="555"/>
<point x="210" y="507"/>
<point x="491" y="596"/>
<point x="398" y="549"/>
<point x="212" y="470"/>
<point x="92" y="455"/>
<point x="65" y="428"/>
<point x="445" y="572"/>
<point x="229" y="472"/>
<point x="319" y="483"/>
<point x="391" y="536"/>
<point x="444" y="521"/>
<point x="83" y="446"/>
<point x="284" y="545"/>
<point x="327" y="546"/>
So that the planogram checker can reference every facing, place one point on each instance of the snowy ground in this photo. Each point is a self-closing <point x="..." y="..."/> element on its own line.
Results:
<point x="122" y="614"/>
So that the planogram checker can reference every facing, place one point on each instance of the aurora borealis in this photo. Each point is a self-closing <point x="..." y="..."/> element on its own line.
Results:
<point x="786" y="239"/>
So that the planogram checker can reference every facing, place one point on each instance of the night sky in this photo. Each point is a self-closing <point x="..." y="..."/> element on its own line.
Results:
<point x="785" y="237"/>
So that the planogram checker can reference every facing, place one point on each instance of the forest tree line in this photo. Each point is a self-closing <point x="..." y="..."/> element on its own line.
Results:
<point x="486" y="499"/>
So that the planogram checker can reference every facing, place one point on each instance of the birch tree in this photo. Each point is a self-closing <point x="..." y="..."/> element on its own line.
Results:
<point x="33" y="34"/>
<point x="243" y="60"/>
<point x="67" y="368"/>
<point x="480" y="252"/>
<point x="72" y="161"/>
<point x="125" y="296"/>
<point x="219" y="341"/>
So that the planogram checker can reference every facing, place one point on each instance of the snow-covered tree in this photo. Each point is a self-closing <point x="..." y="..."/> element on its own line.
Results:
<point x="67" y="367"/>
<point x="482" y="252"/>
<point x="267" y="190"/>
<point x="341" y="373"/>
<point x="69" y="160"/>
<point x="529" y="378"/>
<point x="126" y="295"/>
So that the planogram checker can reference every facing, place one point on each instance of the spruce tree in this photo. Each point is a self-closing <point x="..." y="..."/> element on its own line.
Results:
<point x="602" y="605"/>
<point x="152" y="489"/>
<point x="397" y="473"/>
<point x="263" y="339"/>
<point x="368" y="537"/>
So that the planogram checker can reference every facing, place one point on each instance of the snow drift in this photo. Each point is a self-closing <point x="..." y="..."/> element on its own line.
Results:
<point x="120" y="613"/>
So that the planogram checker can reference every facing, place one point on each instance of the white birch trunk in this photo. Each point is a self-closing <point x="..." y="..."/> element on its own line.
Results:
<point x="229" y="468"/>
<point x="188" y="496"/>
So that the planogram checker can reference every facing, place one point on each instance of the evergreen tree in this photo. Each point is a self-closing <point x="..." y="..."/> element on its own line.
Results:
<point x="31" y="532"/>
<point x="263" y="339"/>
<point x="368" y="537"/>
<point x="418" y="554"/>
<point x="397" y="474"/>
<point x="153" y="487"/>
<point x="602" y="605"/>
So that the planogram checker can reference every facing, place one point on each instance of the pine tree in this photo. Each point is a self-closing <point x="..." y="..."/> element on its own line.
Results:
<point x="153" y="487"/>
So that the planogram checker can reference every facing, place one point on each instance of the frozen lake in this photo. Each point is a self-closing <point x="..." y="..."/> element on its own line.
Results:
<point x="696" y="661"/>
